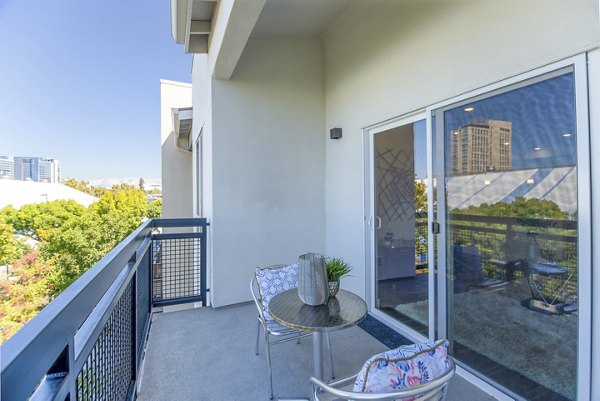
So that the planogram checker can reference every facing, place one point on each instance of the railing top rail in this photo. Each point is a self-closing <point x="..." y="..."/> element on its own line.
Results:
<point x="183" y="222"/>
<point x="520" y="221"/>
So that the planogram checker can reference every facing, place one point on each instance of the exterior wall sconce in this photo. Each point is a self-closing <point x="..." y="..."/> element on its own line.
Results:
<point x="335" y="133"/>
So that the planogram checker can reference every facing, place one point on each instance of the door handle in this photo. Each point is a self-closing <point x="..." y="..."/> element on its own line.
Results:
<point x="378" y="222"/>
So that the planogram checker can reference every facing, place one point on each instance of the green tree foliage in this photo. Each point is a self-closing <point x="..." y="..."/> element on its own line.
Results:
<point x="10" y="247"/>
<point x="420" y="197"/>
<point x="84" y="186"/>
<point x="25" y="294"/>
<point x="155" y="209"/>
<point x="38" y="219"/>
<point x="521" y="207"/>
<point x="72" y="239"/>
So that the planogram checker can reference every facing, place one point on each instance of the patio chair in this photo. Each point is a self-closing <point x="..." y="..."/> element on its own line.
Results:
<point x="414" y="372"/>
<point x="265" y="284"/>
<point x="468" y="269"/>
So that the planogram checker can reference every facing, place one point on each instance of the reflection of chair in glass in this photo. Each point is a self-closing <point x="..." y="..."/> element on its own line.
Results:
<point x="547" y="281"/>
<point x="266" y="283"/>
<point x="515" y="256"/>
<point x="468" y="269"/>
<point x="413" y="372"/>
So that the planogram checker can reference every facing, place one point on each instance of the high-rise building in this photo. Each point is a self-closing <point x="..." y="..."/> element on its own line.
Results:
<point x="49" y="170"/>
<point x="480" y="146"/>
<point x="7" y="167"/>
<point x="39" y="169"/>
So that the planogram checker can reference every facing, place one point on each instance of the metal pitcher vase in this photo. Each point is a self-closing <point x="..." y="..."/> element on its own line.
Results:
<point x="313" y="288"/>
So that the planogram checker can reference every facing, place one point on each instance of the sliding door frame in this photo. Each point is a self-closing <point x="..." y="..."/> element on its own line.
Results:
<point x="371" y="227"/>
<point x="579" y="66"/>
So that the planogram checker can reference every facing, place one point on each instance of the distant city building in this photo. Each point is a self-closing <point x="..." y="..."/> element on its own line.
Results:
<point x="39" y="169"/>
<point x="480" y="146"/>
<point x="7" y="167"/>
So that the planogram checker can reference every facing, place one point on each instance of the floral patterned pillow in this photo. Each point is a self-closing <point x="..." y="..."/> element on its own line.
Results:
<point x="273" y="281"/>
<point x="403" y="367"/>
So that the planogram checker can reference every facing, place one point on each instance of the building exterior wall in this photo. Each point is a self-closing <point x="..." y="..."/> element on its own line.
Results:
<point x="176" y="164"/>
<point x="267" y="147"/>
<point x="481" y="146"/>
<point x="390" y="60"/>
<point x="273" y="185"/>
<point x="7" y="167"/>
<point x="38" y="169"/>
<point x="49" y="170"/>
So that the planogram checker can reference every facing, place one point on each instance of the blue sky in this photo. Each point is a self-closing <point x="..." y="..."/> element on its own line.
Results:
<point x="79" y="81"/>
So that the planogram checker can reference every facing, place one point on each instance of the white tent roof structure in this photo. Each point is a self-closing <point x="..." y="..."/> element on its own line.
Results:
<point x="19" y="193"/>
<point x="557" y="184"/>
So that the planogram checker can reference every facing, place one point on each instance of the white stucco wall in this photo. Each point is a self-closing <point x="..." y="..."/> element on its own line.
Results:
<point x="202" y="101"/>
<point x="176" y="165"/>
<point x="397" y="57"/>
<point x="267" y="144"/>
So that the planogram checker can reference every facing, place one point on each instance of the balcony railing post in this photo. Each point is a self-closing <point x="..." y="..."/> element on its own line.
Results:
<point x="203" y="265"/>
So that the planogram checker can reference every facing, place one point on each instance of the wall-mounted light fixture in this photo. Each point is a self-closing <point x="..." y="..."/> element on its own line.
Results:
<point x="335" y="133"/>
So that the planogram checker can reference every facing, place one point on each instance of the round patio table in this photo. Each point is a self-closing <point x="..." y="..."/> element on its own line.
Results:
<point x="342" y="311"/>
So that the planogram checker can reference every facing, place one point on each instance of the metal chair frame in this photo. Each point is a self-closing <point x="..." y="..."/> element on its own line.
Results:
<point x="434" y="390"/>
<point x="285" y="334"/>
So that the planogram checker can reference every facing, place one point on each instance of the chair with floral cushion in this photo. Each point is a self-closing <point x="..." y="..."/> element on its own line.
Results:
<point x="409" y="373"/>
<point x="266" y="283"/>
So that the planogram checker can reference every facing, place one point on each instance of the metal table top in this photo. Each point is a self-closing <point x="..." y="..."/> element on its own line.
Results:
<point x="547" y="269"/>
<point x="340" y="312"/>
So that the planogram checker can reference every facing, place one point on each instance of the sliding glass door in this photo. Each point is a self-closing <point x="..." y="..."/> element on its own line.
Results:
<point x="511" y="237"/>
<point x="400" y="223"/>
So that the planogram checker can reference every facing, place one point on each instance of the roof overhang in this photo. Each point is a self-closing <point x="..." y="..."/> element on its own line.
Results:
<point x="182" y="127"/>
<point x="191" y="23"/>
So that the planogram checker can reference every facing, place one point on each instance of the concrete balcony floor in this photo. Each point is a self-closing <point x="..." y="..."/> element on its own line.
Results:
<point x="207" y="354"/>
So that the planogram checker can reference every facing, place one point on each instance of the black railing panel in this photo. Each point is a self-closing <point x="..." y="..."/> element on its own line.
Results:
<point x="106" y="373"/>
<point x="179" y="265"/>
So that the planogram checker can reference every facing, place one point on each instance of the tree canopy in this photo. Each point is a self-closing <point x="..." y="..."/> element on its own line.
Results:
<point x="520" y="207"/>
<point x="72" y="238"/>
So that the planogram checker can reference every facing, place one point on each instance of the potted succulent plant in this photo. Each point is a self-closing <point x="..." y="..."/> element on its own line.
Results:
<point x="336" y="269"/>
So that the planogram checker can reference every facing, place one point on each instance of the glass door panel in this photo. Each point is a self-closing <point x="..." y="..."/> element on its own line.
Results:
<point x="511" y="234"/>
<point x="401" y="248"/>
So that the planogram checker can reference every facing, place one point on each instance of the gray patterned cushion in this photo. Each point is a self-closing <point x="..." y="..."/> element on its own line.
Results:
<point x="273" y="281"/>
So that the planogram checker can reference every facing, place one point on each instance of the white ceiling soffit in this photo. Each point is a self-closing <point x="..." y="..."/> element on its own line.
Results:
<point x="297" y="18"/>
<point x="191" y="23"/>
<point x="234" y="24"/>
<point x="182" y="126"/>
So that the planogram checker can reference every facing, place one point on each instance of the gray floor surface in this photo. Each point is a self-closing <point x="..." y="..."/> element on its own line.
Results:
<point x="207" y="354"/>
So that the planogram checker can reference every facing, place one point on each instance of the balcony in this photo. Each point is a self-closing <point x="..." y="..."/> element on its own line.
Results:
<point x="109" y="336"/>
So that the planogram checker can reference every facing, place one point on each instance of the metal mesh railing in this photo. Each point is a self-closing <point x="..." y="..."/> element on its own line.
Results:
<point x="143" y="303"/>
<point x="107" y="371"/>
<point x="178" y="268"/>
<point x="89" y="346"/>
<point x="502" y="242"/>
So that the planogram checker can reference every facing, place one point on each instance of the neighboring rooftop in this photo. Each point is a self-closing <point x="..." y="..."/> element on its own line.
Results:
<point x="19" y="193"/>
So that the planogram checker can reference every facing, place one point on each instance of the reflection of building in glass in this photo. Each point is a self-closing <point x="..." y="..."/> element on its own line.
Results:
<point x="39" y="169"/>
<point x="480" y="146"/>
<point x="7" y="167"/>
